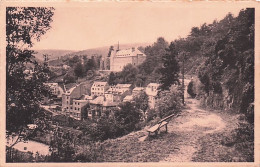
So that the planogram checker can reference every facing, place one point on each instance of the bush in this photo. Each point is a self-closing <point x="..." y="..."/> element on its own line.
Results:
<point x="191" y="89"/>
<point x="151" y="115"/>
<point x="169" y="102"/>
<point x="69" y="79"/>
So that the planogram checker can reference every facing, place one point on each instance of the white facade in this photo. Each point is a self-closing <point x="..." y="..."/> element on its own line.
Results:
<point x="55" y="89"/>
<point x="122" y="88"/>
<point x="99" y="88"/>
<point x="152" y="91"/>
<point x="77" y="107"/>
<point x="121" y="58"/>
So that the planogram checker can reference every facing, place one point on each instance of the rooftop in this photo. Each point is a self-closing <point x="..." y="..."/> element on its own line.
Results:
<point x="138" y="89"/>
<point x="98" y="83"/>
<point x="123" y="85"/>
<point x="128" y="98"/>
<point x="98" y="100"/>
<point x="153" y="84"/>
<point x="128" y="52"/>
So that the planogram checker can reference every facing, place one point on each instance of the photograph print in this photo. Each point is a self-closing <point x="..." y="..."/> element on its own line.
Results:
<point x="129" y="82"/>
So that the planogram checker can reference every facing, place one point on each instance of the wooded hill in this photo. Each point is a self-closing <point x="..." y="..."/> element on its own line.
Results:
<point x="226" y="52"/>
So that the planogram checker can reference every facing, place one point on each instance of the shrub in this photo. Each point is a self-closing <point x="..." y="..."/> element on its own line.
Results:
<point x="191" y="89"/>
<point x="168" y="102"/>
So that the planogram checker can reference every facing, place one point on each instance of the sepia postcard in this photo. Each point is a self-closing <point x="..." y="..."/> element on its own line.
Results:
<point x="129" y="83"/>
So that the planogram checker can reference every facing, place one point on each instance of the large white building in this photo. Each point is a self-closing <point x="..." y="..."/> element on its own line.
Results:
<point x="121" y="58"/>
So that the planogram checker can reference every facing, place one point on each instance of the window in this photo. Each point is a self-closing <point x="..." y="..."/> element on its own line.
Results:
<point x="78" y="109"/>
<point x="78" y="103"/>
<point x="67" y="107"/>
<point x="67" y="97"/>
<point x="75" y="108"/>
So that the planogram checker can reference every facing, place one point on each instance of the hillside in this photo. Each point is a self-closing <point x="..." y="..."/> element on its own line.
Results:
<point x="54" y="54"/>
<point x="104" y="50"/>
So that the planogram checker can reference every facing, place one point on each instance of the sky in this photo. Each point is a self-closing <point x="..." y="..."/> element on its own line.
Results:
<point x="95" y="25"/>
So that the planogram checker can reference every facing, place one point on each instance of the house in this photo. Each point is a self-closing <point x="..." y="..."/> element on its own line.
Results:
<point x="137" y="90"/>
<point x="117" y="93"/>
<point x="100" y="106"/>
<point x="152" y="91"/>
<point x="120" y="58"/>
<point x="107" y="107"/>
<point x="79" y="107"/>
<point x="96" y="107"/>
<point x="73" y="93"/>
<point x="122" y="88"/>
<point x="55" y="89"/>
<point x="99" y="88"/>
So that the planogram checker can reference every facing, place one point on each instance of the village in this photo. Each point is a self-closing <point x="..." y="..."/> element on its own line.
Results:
<point x="80" y="103"/>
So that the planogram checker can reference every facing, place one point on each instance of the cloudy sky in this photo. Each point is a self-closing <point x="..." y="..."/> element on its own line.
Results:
<point x="102" y="24"/>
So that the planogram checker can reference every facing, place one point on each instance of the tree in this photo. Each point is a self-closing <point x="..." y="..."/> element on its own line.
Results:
<point x="62" y="146"/>
<point x="73" y="61"/>
<point x="129" y="74"/>
<point x="112" y="78"/>
<point x="140" y="101"/>
<point x="168" y="102"/>
<point x="170" y="69"/>
<point x="127" y="117"/>
<point x="24" y="91"/>
<point x="78" y="70"/>
<point x="110" y="51"/>
<point x="191" y="89"/>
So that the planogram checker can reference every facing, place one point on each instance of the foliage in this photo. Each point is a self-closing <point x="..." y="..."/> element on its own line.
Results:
<point x="69" y="79"/>
<point x="191" y="89"/>
<point x="149" y="70"/>
<point x="78" y="70"/>
<point x="226" y="51"/>
<point x="140" y="101"/>
<point x="73" y="61"/>
<point x="111" y="79"/>
<point x="62" y="146"/>
<point x="24" y="90"/>
<point x="170" y="69"/>
<point x="168" y="102"/>
<point x="127" y="117"/>
<point x="127" y="76"/>
<point x="110" y="50"/>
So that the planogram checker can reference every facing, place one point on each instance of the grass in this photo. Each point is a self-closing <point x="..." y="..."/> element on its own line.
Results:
<point x="130" y="149"/>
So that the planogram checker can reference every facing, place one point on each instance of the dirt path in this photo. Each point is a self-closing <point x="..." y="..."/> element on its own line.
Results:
<point x="182" y="143"/>
<point x="192" y="125"/>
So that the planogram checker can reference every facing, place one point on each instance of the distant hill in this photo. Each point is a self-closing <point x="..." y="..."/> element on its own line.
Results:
<point x="54" y="54"/>
<point x="104" y="50"/>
